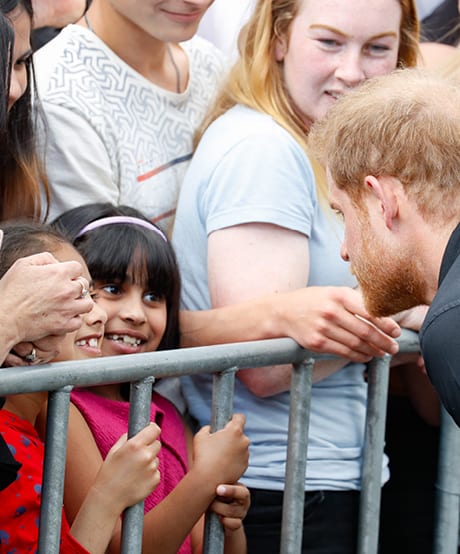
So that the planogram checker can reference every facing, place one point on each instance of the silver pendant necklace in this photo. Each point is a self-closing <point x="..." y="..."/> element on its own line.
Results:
<point x="88" y="22"/>
<point x="176" y="68"/>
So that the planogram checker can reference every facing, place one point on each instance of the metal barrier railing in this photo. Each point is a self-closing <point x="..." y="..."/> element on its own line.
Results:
<point x="224" y="361"/>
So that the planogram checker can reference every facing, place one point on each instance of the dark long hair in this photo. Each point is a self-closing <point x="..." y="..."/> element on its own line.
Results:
<point x="6" y="59"/>
<point x="21" y="170"/>
<point x="127" y="253"/>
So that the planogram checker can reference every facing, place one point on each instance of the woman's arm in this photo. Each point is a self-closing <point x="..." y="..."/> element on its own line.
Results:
<point x="259" y="259"/>
<point x="263" y="258"/>
<point x="321" y="319"/>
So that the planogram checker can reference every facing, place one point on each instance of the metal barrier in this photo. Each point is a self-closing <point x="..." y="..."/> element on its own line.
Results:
<point x="224" y="361"/>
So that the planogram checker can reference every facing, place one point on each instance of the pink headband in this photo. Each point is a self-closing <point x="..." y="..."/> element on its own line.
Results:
<point x="121" y="219"/>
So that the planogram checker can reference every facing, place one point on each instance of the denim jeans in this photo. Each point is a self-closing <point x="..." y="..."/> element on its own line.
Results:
<point x="329" y="526"/>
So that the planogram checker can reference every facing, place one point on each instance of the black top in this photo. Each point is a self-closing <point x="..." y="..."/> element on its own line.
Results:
<point x="440" y="333"/>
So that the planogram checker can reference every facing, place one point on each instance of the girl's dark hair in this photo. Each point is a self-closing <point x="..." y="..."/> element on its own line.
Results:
<point x="121" y="253"/>
<point x="21" y="170"/>
<point x="6" y="59"/>
<point x="24" y="238"/>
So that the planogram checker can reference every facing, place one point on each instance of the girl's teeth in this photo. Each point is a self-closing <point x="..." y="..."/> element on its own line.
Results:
<point x="92" y="343"/>
<point x="126" y="339"/>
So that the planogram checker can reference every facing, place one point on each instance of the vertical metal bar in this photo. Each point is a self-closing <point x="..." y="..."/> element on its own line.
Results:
<point x="222" y="408"/>
<point x="54" y="471"/>
<point x="369" y="509"/>
<point x="139" y="417"/>
<point x="448" y="488"/>
<point x="296" y="463"/>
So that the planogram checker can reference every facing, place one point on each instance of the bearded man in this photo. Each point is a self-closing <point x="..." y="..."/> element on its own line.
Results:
<point x="392" y="153"/>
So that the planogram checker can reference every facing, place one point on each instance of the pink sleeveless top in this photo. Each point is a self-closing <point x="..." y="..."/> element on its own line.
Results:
<point x="108" y="420"/>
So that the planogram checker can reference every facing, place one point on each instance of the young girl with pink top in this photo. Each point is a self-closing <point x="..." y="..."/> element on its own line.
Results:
<point x="130" y="470"/>
<point x="137" y="283"/>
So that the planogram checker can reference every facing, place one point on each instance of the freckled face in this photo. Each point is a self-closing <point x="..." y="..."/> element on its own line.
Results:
<point x="333" y="46"/>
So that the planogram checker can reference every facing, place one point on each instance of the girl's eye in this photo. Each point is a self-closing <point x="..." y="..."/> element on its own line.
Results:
<point x="111" y="289"/>
<point x="151" y="297"/>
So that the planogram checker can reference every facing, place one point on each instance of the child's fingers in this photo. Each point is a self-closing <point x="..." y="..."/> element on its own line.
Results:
<point x="233" y="509"/>
<point x="148" y="434"/>
<point x="238" y="419"/>
<point x="232" y="501"/>
<point x="232" y="492"/>
<point x="231" y="523"/>
<point x="120" y="442"/>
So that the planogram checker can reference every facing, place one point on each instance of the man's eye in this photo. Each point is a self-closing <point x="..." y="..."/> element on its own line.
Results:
<point x="338" y="213"/>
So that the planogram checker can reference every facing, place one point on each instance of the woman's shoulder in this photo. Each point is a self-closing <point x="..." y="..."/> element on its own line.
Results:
<point x="246" y="122"/>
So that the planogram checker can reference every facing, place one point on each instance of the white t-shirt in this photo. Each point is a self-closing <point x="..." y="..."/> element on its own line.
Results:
<point x="113" y="136"/>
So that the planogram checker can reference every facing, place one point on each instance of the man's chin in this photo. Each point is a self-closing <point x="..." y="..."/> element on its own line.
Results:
<point x="384" y="306"/>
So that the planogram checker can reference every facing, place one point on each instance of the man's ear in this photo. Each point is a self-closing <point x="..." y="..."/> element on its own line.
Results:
<point x="281" y="48"/>
<point x="383" y="192"/>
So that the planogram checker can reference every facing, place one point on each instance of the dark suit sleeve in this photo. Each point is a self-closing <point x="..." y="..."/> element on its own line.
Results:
<point x="440" y="344"/>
